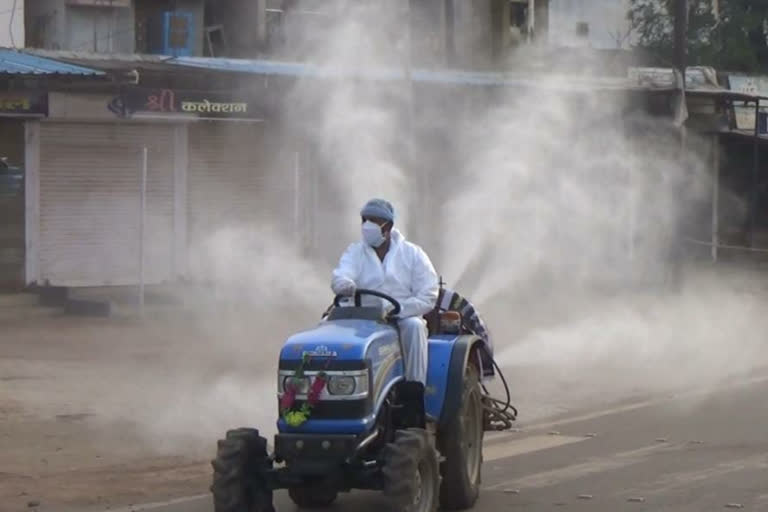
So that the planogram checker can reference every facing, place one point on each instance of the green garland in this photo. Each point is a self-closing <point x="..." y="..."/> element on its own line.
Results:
<point x="296" y="417"/>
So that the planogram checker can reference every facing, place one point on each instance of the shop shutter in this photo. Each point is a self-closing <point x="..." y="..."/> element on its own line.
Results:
<point x="90" y="201"/>
<point x="235" y="182"/>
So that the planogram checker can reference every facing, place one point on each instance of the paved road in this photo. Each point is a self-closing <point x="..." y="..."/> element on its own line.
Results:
<point x="690" y="453"/>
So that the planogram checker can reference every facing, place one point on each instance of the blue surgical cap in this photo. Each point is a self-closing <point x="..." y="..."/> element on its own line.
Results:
<point x="378" y="208"/>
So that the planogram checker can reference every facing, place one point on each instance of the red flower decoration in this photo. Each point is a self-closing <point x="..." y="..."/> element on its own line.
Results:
<point x="289" y="396"/>
<point x="314" y="391"/>
<point x="296" y="418"/>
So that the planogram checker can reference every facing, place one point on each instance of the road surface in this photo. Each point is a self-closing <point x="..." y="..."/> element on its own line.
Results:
<point x="693" y="452"/>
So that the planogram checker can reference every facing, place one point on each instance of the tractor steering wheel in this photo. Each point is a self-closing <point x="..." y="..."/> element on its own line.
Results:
<point x="374" y="293"/>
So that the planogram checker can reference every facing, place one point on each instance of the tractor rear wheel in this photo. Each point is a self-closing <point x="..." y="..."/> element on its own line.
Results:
<point x="461" y="442"/>
<point x="239" y="484"/>
<point x="411" y="472"/>
<point x="312" y="497"/>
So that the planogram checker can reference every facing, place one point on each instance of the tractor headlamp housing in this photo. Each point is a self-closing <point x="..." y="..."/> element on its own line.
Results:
<point x="302" y="384"/>
<point x="341" y="385"/>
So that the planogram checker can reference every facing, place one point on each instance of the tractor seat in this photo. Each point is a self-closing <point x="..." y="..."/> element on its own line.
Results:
<point x="443" y="322"/>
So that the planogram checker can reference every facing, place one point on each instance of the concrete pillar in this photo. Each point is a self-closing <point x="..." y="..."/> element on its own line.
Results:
<point x="32" y="200"/>
<point x="449" y="15"/>
<point x="715" y="196"/>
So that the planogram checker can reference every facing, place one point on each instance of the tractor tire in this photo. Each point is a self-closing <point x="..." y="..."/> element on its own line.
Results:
<point x="411" y="472"/>
<point x="461" y="442"/>
<point x="312" y="497"/>
<point x="239" y="484"/>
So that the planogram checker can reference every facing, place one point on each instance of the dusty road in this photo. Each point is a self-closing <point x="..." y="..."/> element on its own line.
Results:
<point x="98" y="414"/>
<point x="691" y="452"/>
<point x="104" y="414"/>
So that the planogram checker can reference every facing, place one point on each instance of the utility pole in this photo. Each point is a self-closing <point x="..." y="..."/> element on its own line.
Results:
<point x="681" y="114"/>
<point x="680" y="57"/>
<point x="531" y="21"/>
<point x="450" y="33"/>
<point x="681" y="36"/>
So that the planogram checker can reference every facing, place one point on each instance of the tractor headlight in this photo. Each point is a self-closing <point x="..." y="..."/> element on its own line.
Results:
<point x="302" y="384"/>
<point x="341" y="385"/>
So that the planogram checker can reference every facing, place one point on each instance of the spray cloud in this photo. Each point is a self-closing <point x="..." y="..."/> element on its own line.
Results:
<point x="545" y="196"/>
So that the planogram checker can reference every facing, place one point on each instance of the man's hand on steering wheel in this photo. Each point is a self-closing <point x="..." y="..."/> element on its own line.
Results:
<point x="389" y="313"/>
<point x="346" y="288"/>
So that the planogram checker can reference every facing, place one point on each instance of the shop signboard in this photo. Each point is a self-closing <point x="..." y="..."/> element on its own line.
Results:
<point x="24" y="104"/>
<point x="189" y="103"/>
<point x="745" y="113"/>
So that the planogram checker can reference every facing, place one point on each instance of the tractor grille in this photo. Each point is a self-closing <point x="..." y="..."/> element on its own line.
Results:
<point x="339" y="409"/>
<point x="317" y="365"/>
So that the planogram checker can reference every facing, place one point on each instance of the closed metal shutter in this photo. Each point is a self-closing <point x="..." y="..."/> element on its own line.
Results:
<point x="90" y="178"/>
<point x="235" y="184"/>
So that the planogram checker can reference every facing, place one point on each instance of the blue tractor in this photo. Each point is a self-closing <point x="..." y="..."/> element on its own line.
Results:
<point x="364" y="430"/>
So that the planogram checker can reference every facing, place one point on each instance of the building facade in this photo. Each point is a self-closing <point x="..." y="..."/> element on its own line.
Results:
<point x="12" y="23"/>
<point x="598" y="24"/>
<point x="116" y="26"/>
<point x="207" y="169"/>
<point x="229" y="150"/>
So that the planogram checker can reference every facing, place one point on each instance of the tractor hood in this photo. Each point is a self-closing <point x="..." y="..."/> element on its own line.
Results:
<point x="341" y="340"/>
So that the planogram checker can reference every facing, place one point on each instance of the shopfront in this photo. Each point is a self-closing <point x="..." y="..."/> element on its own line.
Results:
<point x="16" y="108"/>
<point x="84" y="207"/>
<point x="235" y="183"/>
<point x="210" y="166"/>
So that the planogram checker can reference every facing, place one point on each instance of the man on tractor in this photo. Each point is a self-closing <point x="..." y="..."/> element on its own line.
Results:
<point x="358" y="382"/>
<point x="385" y="261"/>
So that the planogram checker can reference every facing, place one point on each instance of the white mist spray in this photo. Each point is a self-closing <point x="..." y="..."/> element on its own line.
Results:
<point x="555" y="195"/>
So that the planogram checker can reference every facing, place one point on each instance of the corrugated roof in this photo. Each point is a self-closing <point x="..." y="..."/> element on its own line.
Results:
<point x="638" y="79"/>
<point x="120" y="62"/>
<point x="17" y="63"/>
<point x="67" y="55"/>
<point x="106" y="61"/>
<point x="550" y="81"/>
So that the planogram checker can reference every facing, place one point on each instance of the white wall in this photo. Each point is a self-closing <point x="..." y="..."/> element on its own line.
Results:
<point x="46" y="24"/>
<point x="55" y="25"/>
<point x="101" y="30"/>
<point x="607" y="19"/>
<point x="13" y="19"/>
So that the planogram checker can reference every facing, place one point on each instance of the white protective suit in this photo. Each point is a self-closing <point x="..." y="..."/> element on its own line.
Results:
<point x="408" y="276"/>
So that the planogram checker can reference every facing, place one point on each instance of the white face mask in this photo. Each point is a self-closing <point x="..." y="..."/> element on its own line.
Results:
<point x="372" y="234"/>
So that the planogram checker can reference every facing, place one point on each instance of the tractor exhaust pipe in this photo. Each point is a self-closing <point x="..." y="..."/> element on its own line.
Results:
<point x="363" y="444"/>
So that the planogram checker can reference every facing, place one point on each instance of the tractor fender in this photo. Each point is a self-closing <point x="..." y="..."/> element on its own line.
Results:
<point x="385" y="392"/>
<point x="462" y="348"/>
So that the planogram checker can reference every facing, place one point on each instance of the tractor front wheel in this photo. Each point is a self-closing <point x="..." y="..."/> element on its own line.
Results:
<point x="239" y="484"/>
<point x="461" y="442"/>
<point x="411" y="472"/>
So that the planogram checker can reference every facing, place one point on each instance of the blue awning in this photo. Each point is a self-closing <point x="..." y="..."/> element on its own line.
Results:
<point x="446" y="76"/>
<point x="17" y="63"/>
<point x="267" y="67"/>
